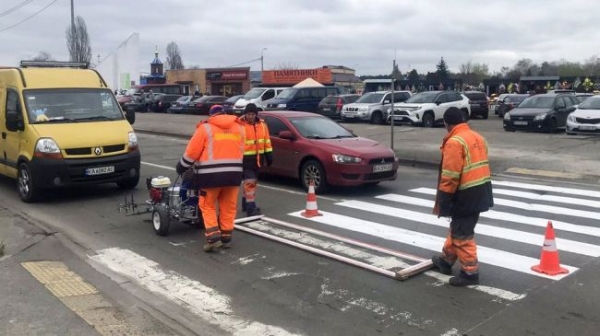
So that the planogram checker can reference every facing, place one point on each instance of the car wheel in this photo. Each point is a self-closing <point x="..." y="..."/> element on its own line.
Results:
<point x="28" y="192"/>
<point x="552" y="125"/>
<point x="161" y="220"/>
<point x="427" y="119"/>
<point x="313" y="169"/>
<point x="377" y="118"/>
<point x="485" y="114"/>
<point x="466" y="115"/>
<point x="501" y="111"/>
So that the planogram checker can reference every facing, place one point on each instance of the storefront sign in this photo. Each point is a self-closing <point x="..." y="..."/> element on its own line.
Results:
<point x="293" y="76"/>
<point x="227" y="75"/>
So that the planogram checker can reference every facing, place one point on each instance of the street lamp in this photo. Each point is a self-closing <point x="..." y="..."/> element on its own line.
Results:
<point x="262" y="61"/>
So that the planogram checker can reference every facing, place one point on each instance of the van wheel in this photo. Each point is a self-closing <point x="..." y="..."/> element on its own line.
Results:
<point x="129" y="183"/>
<point x="28" y="192"/>
<point x="427" y="120"/>
<point x="376" y="118"/>
<point x="313" y="169"/>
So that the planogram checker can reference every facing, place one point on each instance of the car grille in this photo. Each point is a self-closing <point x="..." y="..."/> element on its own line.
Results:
<point x="88" y="150"/>
<point x="400" y="113"/>
<point x="522" y="118"/>
<point x="379" y="176"/>
<point x="382" y="160"/>
<point x="352" y="109"/>
<point x="588" y="121"/>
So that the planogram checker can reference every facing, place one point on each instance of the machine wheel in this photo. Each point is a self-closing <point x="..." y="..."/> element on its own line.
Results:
<point x="314" y="169"/>
<point x="28" y="192"/>
<point x="161" y="220"/>
<point x="427" y="120"/>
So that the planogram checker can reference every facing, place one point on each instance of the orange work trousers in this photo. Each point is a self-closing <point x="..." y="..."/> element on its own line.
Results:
<point x="460" y="244"/>
<point x="221" y="199"/>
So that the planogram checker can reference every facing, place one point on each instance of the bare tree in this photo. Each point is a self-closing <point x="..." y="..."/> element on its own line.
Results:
<point x="174" y="61"/>
<point x="78" y="42"/>
<point x="43" y="56"/>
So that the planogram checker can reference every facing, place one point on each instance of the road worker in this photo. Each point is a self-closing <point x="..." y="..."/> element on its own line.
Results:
<point x="464" y="191"/>
<point x="215" y="154"/>
<point x="258" y="152"/>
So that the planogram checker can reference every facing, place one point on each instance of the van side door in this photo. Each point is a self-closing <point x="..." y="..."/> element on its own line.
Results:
<point x="268" y="94"/>
<point x="11" y="132"/>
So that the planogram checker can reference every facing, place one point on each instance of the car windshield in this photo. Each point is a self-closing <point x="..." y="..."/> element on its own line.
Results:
<point x="183" y="99"/>
<point x="370" y="98"/>
<point x="71" y="105"/>
<point x="514" y="99"/>
<point x="287" y="93"/>
<point x="537" y="102"/>
<point x="320" y="128"/>
<point x="254" y="93"/>
<point x="583" y="98"/>
<point x="590" y="104"/>
<point x="422" y="98"/>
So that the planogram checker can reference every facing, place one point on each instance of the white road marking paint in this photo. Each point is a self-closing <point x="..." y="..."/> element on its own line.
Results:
<point x="486" y="255"/>
<point x="562" y="190"/>
<point x="389" y="263"/>
<point x="247" y="260"/>
<point x="547" y="198"/>
<point x="279" y="275"/>
<point x="484" y="229"/>
<point x="503" y="216"/>
<point x="207" y="303"/>
<point x="451" y="332"/>
<point x="260" y="185"/>
<point x="524" y="206"/>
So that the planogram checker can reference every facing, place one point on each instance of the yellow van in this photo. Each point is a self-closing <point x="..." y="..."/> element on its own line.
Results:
<point x="62" y="126"/>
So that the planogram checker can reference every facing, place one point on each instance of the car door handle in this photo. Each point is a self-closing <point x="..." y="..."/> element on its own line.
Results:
<point x="3" y="135"/>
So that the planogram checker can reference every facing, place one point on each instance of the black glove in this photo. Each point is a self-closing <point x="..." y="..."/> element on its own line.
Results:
<point x="180" y="168"/>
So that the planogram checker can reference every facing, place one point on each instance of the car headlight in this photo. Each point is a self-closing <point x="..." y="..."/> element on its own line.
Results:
<point x="281" y="105"/>
<point x="133" y="141"/>
<point x="339" y="158"/>
<point x="540" y="116"/>
<point x="47" y="148"/>
<point x="507" y="116"/>
<point x="572" y="118"/>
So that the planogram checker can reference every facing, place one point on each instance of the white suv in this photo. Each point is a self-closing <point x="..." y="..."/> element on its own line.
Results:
<point x="427" y="108"/>
<point x="372" y="106"/>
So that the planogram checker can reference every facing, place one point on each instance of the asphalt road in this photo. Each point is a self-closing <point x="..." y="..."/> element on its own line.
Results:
<point x="265" y="287"/>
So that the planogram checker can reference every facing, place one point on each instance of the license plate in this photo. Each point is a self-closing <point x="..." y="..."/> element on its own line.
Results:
<point x="382" y="168"/>
<point x="587" y="128"/>
<point x="520" y="123"/>
<point x="100" y="170"/>
<point x="326" y="109"/>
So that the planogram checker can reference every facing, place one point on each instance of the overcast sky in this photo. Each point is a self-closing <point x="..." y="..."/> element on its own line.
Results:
<point x="362" y="34"/>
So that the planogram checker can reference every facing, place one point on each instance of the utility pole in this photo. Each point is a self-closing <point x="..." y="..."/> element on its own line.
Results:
<point x="392" y="118"/>
<point x="72" y="31"/>
<point x="262" y="65"/>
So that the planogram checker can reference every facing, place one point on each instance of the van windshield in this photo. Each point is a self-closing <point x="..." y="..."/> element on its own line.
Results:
<point x="254" y="93"/>
<point x="287" y="93"/>
<point x="71" y="105"/>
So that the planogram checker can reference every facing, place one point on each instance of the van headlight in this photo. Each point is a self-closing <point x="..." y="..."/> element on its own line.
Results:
<point x="47" y="148"/>
<point x="540" y="116"/>
<point x="132" y="141"/>
<point x="339" y="158"/>
<point x="507" y="116"/>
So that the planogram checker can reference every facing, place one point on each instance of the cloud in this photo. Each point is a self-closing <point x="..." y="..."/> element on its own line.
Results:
<point x="366" y="35"/>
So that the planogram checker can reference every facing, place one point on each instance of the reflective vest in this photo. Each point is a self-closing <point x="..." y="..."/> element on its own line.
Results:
<point x="216" y="152"/>
<point x="258" y="147"/>
<point x="464" y="186"/>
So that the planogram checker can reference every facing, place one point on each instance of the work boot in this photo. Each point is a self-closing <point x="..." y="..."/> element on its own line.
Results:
<point x="243" y="203"/>
<point x="226" y="245"/>
<point x="211" y="247"/>
<point x="442" y="265"/>
<point x="255" y="211"/>
<point x="464" y="279"/>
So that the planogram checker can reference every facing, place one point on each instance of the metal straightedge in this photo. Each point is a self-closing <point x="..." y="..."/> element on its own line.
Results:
<point x="421" y="266"/>
<point x="130" y="208"/>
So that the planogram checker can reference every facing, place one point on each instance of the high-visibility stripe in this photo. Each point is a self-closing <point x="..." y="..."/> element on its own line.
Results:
<point x="475" y="165"/>
<point x="550" y="245"/>
<point x="464" y="144"/>
<point x="210" y="145"/>
<point x="218" y="170"/>
<point x="451" y="174"/>
<point x="474" y="183"/>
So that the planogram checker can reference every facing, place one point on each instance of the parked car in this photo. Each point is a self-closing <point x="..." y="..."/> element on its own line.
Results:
<point x="230" y="102"/>
<point x="302" y="98"/>
<point x="509" y="102"/>
<point x="479" y="103"/>
<point x="586" y="118"/>
<point x="543" y="112"/>
<point x="310" y="146"/>
<point x="162" y="102"/>
<point x="373" y="106"/>
<point x="203" y="104"/>
<point x="427" y="108"/>
<point x="181" y="105"/>
<point x="331" y="106"/>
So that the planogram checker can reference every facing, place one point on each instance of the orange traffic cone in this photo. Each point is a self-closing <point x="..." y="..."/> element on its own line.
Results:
<point x="311" y="202"/>
<point x="549" y="261"/>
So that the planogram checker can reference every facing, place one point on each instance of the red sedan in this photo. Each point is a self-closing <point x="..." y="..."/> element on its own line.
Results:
<point x="308" y="145"/>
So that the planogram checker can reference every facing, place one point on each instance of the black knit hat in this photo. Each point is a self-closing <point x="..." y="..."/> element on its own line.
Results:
<point x="453" y="116"/>
<point x="251" y="108"/>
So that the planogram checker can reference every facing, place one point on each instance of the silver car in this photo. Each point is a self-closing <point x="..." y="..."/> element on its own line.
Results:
<point x="373" y="106"/>
<point x="586" y="118"/>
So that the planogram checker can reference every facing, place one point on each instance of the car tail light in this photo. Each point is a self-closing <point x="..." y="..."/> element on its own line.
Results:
<point x="338" y="105"/>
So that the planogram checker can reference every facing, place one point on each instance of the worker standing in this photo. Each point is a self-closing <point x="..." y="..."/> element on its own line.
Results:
<point x="464" y="191"/>
<point x="215" y="153"/>
<point x="257" y="152"/>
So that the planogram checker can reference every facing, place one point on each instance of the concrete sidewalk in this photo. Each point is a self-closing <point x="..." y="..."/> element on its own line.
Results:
<point x="46" y="289"/>
<point x="542" y="155"/>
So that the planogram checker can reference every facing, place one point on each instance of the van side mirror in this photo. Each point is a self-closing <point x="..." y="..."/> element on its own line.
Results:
<point x="14" y="121"/>
<point x="130" y="115"/>
<point x="287" y="135"/>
